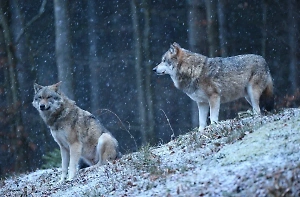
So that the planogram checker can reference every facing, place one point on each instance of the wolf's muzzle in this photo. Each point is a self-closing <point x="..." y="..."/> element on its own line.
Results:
<point x="43" y="107"/>
<point x="158" y="73"/>
<point x="154" y="69"/>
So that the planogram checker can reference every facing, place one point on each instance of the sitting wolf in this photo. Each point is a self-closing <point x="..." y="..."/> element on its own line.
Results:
<point x="77" y="132"/>
<point x="212" y="81"/>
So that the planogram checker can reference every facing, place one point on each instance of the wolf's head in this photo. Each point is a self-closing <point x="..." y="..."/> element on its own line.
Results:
<point x="47" y="99"/>
<point x="169" y="61"/>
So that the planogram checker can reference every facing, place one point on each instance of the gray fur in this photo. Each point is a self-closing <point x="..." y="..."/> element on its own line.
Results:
<point x="212" y="81"/>
<point x="78" y="133"/>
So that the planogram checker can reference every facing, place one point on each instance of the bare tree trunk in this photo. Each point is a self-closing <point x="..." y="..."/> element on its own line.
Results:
<point x="138" y="69"/>
<point x="26" y="70"/>
<point x="151" y="135"/>
<point x="13" y="98"/>
<point x="26" y="74"/>
<point x="222" y="28"/>
<point x="94" y="60"/>
<point x="197" y="39"/>
<point x="64" y="59"/>
<point x="293" y="44"/>
<point x="223" y="46"/>
<point x="5" y="101"/>
<point x="212" y="27"/>
<point x="264" y="29"/>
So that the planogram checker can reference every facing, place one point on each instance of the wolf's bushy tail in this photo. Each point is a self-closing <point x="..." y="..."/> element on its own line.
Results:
<point x="266" y="100"/>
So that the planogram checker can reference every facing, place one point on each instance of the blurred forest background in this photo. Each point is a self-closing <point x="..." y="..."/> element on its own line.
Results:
<point x="104" y="52"/>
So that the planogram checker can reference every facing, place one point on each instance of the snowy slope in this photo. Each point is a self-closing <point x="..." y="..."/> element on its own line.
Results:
<point x="252" y="156"/>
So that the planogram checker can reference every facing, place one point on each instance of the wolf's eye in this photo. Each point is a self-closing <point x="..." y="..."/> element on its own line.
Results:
<point x="49" y="97"/>
<point x="38" y="98"/>
<point x="56" y="98"/>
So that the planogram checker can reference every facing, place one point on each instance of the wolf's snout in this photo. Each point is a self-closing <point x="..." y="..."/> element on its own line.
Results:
<point x="42" y="107"/>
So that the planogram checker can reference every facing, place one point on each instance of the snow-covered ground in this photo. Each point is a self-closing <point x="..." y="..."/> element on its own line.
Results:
<point x="251" y="156"/>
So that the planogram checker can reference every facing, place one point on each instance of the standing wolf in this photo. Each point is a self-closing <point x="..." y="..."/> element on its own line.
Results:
<point x="212" y="81"/>
<point x="77" y="132"/>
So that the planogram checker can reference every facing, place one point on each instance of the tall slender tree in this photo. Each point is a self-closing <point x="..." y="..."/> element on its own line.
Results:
<point x="13" y="99"/>
<point x="196" y="38"/>
<point x="293" y="45"/>
<point x="94" y="59"/>
<point x="151" y="135"/>
<point x="212" y="27"/>
<point x="222" y="28"/>
<point x="138" y="69"/>
<point x="26" y="73"/>
<point x="264" y="28"/>
<point x="63" y="51"/>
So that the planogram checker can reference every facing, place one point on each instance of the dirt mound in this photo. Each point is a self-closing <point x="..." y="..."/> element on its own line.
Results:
<point x="251" y="156"/>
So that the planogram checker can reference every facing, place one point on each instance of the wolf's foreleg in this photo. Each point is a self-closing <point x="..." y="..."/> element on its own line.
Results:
<point x="75" y="154"/>
<point x="214" y="103"/>
<point x="203" y="111"/>
<point x="65" y="158"/>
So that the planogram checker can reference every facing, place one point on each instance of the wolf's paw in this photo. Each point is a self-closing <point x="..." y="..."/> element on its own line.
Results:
<point x="201" y="129"/>
<point x="214" y="123"/>
<point x="248" y="113"/>
<point x="61" y="181"/>
<point x="69" y="180"/>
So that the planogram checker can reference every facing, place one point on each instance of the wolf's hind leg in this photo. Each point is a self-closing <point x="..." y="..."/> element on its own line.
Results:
<point x="214" y="103"/>
<point x="75" y="154"/>
<point x="203" y="112"/>
<point x="107" y="148"/>
<point x="254" y="95"/>
<point x="248" y="99"/>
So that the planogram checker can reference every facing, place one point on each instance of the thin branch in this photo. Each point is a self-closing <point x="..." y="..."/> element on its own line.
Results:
<point x="123" y="125"/>
<point x="173" y="135"/>
<point x="41" y="11"/>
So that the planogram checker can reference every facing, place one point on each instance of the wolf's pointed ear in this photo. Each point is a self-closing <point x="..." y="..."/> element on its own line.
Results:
<point x="174" y="49"/>
<point x="175" y="44"/>
<point x="37" y="87"/>
<point x="56" y="86"/>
